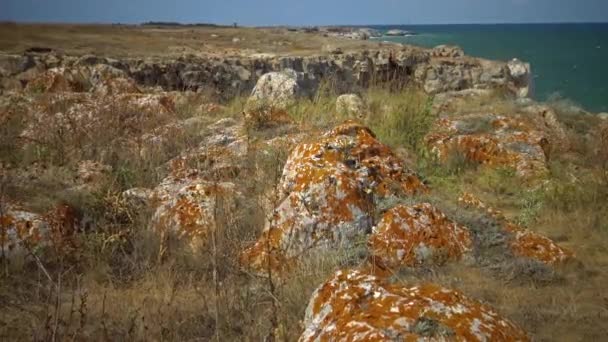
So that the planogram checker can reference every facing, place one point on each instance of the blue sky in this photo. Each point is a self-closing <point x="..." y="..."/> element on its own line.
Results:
<point x="306" y="12"/>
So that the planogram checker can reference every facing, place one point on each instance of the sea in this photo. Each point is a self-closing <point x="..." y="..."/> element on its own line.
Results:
<point x="569" y="61"/>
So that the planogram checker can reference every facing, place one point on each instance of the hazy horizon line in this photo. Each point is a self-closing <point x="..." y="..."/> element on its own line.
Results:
<point x="294" y="25"/>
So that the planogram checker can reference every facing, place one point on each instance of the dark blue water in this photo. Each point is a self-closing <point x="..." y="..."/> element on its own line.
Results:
<point x="568" y="60"/>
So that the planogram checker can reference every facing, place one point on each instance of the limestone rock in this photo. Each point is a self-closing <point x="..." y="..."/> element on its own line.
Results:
<point x="189" y="209"/>
<point x="529" y="244"/>
<point x="271" y="97"/>
<point x="107" y="80"/>
<point x="522" y="76"/>
<point x="328" y="188"/>
<point x="276" y="89"/>
<point x="199" y="191"/>
<point x="230" y="77"/>
<point x="419" y="234"/>
<point x="23" y="232"/>
<point x="493" y="140"/>
<point x="354" y="306"/>
<point x="523" y="242"/>
<point x="11" y="65"/>
<point x="58" y="80"/>
<point x="350" y="105"/>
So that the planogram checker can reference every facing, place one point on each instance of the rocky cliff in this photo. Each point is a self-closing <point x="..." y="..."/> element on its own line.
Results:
<point x="436" y="70"/>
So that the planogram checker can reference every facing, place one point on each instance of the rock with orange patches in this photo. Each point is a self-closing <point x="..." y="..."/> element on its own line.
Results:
<point x="198" y="190"/>
<point x="492" y="140"/>
<point x="355" y="306"/>
<point x="57" y="80"/>
<point x="23" y="232"/>
<point x="328" y="192"/>
<point x="190" y="212"/>
<point x="535" y="246"/>
<point x="522" y="242"/>
<point x="419" y="234"/>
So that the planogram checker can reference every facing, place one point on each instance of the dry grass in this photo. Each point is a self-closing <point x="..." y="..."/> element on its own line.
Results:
<point x="117" y="289"/>
<point x="166" y="41"/>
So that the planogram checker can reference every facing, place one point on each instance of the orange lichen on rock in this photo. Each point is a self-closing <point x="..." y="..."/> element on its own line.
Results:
<point x="413" y="235"/>
<point x="524" y="242"/>
<point x="492" y="140"/>
<point x="355" y="306"/>
<point x="57" y="80"/>
<point x="329" y="188"/>
<point x="190" y="212"/>
<point x="23" y="232"/>
<point x="535" y="246"/>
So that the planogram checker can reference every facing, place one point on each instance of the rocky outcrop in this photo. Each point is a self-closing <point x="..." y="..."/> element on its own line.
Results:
<point x="434" y="70"/>
<point x="447" y="51"/>
<point x="416" y="235"/>
<point x="479" y="127"/>
<point x="355" y="306"/>
<point x="328" y="189"/>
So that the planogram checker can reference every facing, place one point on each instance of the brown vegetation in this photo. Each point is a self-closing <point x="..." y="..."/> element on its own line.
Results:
<point x="120" y="284"/>
<point x="164" y="41"/>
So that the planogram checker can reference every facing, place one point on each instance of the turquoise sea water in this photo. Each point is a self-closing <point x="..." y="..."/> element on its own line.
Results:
<point x="568" y="60"/>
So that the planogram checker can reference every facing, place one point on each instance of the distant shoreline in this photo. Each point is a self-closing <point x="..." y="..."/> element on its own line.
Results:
<point x="211" y="24"/>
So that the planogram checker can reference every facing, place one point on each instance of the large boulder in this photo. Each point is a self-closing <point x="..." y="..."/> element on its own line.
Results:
<point x="273" y="94"/>
<point x="355" y="306"/>
<point x="328" y="189"/>
<point x="276" y="89"/>
<point x="419" y="234"/>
